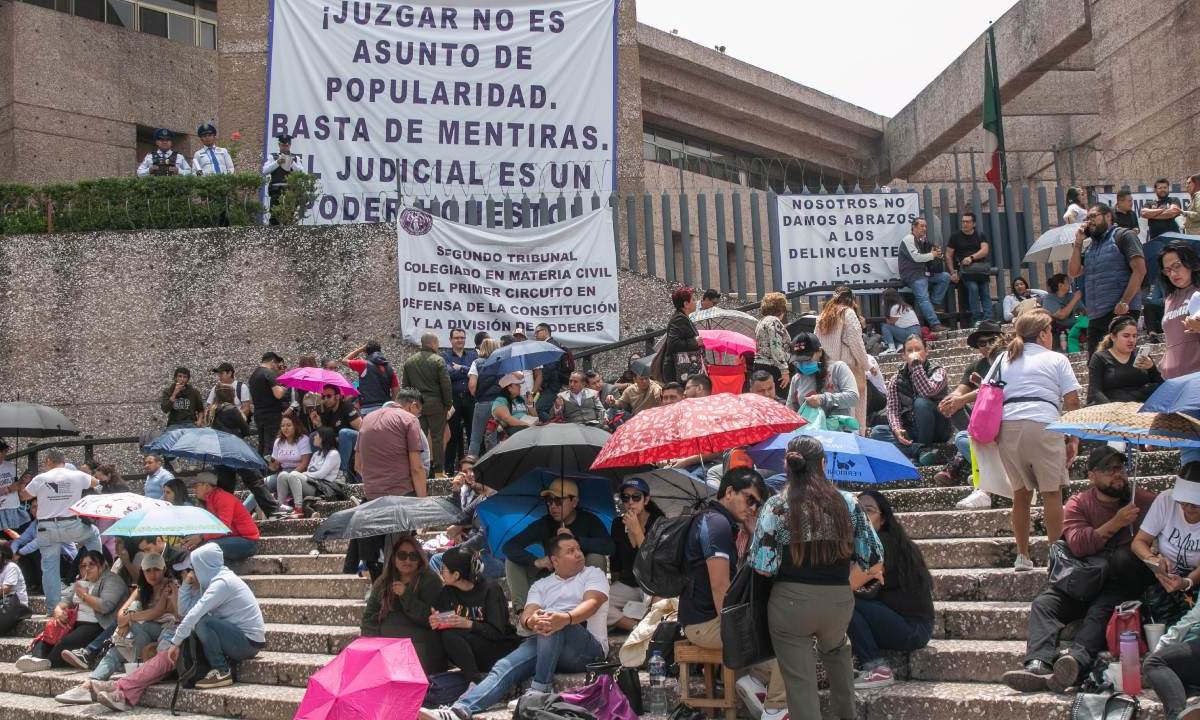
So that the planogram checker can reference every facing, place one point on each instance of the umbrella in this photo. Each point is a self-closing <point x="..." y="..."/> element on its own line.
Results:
<point x="22" y="419"/>
<point x="311" y="379"/>
<point x="1180" y="395"/>
<point x="115" y="506"/>
<point x="1122" y="421"/>
<point x="564" y="447"/>
<point x="1052" y="246"/>
<point x="724" y="319"/>
<point x="373" y="678"/>
<point x="673" y="491"/>
<point x="524" y="355"/>
<point x="205" y="445"/>
<point x="1168" y="237"/>
<point x="514" y="508"/>
<point x="641" y="366"/>
<point x="727" y="341"/>
<point x="173" y="520"/>
<point x="695" y="426"/>
<point x="849" y="457"/>
<point x="387" y="515"/>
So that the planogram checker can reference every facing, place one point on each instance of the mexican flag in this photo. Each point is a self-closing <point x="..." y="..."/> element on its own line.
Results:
<point x="993" y="122"/>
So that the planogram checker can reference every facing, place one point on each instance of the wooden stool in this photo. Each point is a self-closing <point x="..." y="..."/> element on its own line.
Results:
<point x="687" y="655"/>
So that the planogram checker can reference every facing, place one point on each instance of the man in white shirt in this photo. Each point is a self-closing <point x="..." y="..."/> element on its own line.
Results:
<point x="164" y="161"/>
<point x="567" y="613"/>
<point x="210" y="159"/>
<point x="241" y="391"/>
<point x="56" y="490"/>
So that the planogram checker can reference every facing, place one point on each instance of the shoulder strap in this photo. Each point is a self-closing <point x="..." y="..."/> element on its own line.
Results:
<point x="995" y="369"/>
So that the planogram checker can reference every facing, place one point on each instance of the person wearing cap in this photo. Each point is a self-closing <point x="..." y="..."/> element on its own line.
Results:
<point x="1101" y="521"/>
<point x="626" y="602"/>
<point x="426" y="371"/>
<point x="269" y="399"/>
<point x="181" y="400"/>
<point x="277" y="168"/>
<point x="378" y="382"/>
<point x="819" y="382"/>
<point x="210" y="159"/>
<point x="164" y="160"/>
<point x="242" y="540"/>
<point x="562" y="514"/>
<point x="509" y="409"/>
<point x="241" y="392"/>
<point x="956" y="406"/>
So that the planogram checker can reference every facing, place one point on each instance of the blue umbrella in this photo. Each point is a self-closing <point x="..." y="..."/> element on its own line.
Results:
<point x="1168" y="237"/>
<point x="524" y="355"/>
<point x="514" y="508"/>
<point x="208" y="446"/>
<point x="849" y="457"/>
<point x="1181" y="395"/>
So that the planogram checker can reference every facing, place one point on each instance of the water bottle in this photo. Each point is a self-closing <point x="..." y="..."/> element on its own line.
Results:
<point x="657" y="704"/>
<point x="1131" y="665"/>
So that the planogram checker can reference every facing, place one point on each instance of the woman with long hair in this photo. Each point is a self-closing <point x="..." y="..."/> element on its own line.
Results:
<point x="816" y="542"/>
<point x="1077" y="201"/>
<point x="1039" y="385"/>
<point x="839" y="328"/>
<point x="818" y="381"/>
<point x="1181" y="277"/>
<point x="14" y="599"/>
<point x="485" y="388"/>
<point x="892" y="610"/>
<point x="292" y="452"/>
<point x="176" y="492"/>
<point x="471" y="617"/>
<point x="772" y="342"/>
<point x="110" y="479"/>
<point x="401" y="602"/>
<point x="295" y="484"/>
<point x="900" y="322"/>
<point x="1020" y="293"/>
<point x="1117" y="372"/>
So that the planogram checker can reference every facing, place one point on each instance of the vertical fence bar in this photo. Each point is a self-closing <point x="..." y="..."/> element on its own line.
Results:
<point x="722" y="243"/>
<point x="1027" y="236"/>
<point x="648" y="220"/>
<point x="1010" y="221"/>
<point x="685" y="238"/>
<point x="739" y="245"/>
<point x="994" y="227"/>
<point x="760" y="281"/>
<point x="775" y="250"/>
<point x="702" y="232"/>
<point x="944" y="207"/>
<point x="668" y="239"/>
<point x="1044" y="217"/>
<point x="631" y="231"/>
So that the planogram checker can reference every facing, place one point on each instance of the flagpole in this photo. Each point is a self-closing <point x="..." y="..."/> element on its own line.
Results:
<point x="991" y="32"/>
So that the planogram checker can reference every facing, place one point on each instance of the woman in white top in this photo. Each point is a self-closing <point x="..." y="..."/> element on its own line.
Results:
<point x="324" y="465"/>
<point x="1039" y="385"/>
<point x="291" y="452"/>
<point x="1173" y="520"/>
<point x="1076" y="206"/>
<point x="14" y="600"/>
<point x="901" y="322"/>
<point x="1020" y="293"/>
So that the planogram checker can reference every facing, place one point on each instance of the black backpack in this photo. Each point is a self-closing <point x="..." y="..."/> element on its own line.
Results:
<point x="548" y="706"/>
<point x="659" y="566"/>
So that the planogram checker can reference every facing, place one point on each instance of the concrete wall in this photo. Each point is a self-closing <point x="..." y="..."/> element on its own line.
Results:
<point x="79" y="89"/>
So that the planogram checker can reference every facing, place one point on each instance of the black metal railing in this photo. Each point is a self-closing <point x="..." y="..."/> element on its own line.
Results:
<point x="87" y="442"/>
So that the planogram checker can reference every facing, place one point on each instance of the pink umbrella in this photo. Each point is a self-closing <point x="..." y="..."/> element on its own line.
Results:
<point x="374" y="678"/>
<point x="727" y="341"/>
<point x="311" y="379"/>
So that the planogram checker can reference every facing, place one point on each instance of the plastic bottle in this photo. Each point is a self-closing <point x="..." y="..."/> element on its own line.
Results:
<point x="1131" y="665"/>
<point x="657" y="702"/>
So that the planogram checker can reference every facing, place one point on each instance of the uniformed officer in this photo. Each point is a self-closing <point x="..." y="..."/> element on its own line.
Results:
<point x="278" y="167"/>
<point x="165" y="160"/>
<point x="210" y="159"/>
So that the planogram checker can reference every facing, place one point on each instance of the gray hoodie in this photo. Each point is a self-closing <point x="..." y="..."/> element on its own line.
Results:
<point x="224" y="596"/>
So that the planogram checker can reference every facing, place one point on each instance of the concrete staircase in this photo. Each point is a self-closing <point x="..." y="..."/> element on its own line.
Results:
<point x="312" y="612"/>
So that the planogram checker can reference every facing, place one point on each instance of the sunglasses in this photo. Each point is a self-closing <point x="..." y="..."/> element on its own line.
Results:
<point x="558" y="500"/>
<point x="632" y="498"/>
<point x="411" y="556"/>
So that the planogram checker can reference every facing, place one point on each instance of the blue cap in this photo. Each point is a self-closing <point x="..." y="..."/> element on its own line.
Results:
<point x="163" y="134"/>
<point x="636" y="484"/>
<point x="206" y="129"/>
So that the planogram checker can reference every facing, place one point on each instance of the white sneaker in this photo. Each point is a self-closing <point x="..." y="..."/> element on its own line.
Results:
<point x="752" y="693"/>
<point x="29" y="663"/>
<point x="1023" y="564"/>
<point x="780" y="714"/>
<point x="113" y="700"/>
<point x="977" y="500"/>
<point x="78" y="695"/>
<point x="889" y="351"/>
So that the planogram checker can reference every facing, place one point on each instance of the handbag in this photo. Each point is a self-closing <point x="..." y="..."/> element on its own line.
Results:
<point x="1078" y="578"/>
<point x="1126" y="617"/>
<point x="601" y="697"/>
<point x="1104" y="706"/>
<point x="988" y="412"/>
<point x="55" y="631"/>
<point x="631" y="684"/>
<point x="745" y="636"/>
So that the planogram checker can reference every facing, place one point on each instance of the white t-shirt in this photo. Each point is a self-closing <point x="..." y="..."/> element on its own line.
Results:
<point x="241" y="393"/>
<point x="8" y="475"/>
<point x="554" y="593"/>
<point x="904" y="314"/>
<point x="57" y="490"/>
<point x="288" y="454"/>
<point x="13" y="578"/>
<point x="86" y="613"/>
<point x="1178" y="540"/>
<point x="1040" y="373"/>
<point x="1074" y="214"/>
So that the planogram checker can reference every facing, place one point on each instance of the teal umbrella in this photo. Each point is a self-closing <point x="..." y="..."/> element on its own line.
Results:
<point x="176" y="520"/>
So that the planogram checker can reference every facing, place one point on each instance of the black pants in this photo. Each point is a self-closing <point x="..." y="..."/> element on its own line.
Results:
<point x="1098" y="328"/>
<point x="472" y="653"/>
<point x="1171" y="671"/>
<point x="460" y="430"/>
<point x="227" y="480"/>
<point x="80" y="635"/>
<point x="268" y="430"/>
<point x="1052" y="610"/>
<point x="12" y="613"/>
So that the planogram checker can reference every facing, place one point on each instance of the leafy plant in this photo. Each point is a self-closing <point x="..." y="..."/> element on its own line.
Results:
<point x="297" y="198"/>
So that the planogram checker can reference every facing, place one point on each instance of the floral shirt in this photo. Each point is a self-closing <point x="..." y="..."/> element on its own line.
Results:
<point x="772" y="536"/>
<point x="771" y="340"/>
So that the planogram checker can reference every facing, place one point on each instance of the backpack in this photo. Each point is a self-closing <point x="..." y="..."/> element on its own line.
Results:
<point x="659" y="566"/>
<point x="546" y="706"/>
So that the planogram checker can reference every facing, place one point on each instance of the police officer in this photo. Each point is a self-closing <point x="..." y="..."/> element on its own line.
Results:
<point x="278" y="167"/>
<point x="210" y="159"/>
<point x="164" y="161"/>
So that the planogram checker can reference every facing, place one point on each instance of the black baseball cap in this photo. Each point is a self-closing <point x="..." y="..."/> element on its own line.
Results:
<point x="805" y="343"/>
<point x="1102" y="455"/>
<point x="271" y="356"/>
<point x="223" y="367"/>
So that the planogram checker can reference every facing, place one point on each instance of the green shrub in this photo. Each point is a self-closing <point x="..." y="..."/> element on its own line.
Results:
<point x="297" y="198"/>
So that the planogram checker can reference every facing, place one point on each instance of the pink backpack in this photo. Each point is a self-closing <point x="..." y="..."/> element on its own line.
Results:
<point x="988" y="412"/>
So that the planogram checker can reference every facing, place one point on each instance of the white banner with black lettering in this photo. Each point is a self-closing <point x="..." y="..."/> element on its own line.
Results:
<point x="847" y="238"/>
<point x="455" y="275"/>
<point x="468" y="97"/>
<point x="1140" y="200"/>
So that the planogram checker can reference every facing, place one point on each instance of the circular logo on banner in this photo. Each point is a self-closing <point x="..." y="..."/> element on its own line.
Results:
<point x="415" y="221"/>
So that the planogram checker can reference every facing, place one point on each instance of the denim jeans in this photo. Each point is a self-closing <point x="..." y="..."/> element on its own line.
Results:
<point x="223" y="641"/>
<point x="875" y="627"/>
<point x="51" y="536"/>
<point x="483" y="411"/>
<point x="929" y="427"/>
<point x="235" y="548"/>
<point x="105" y="634"/>
<point x="568" y="650"/>
<point x="347" y="438"/>
<point x="962" y="441"/>
<point x="895" y="335"/>
<point x="979" y="296"/>
<point x="145" y="634"/>
<point x="927" y="289"/>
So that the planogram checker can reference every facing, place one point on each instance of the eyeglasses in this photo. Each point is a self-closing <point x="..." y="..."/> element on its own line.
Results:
<point x="559" y="500"/>
<point x="632" y="498"/>
<point x="412" y="556"/>
<point x="1173" y="267"/>
<point x="1094" y="216"/>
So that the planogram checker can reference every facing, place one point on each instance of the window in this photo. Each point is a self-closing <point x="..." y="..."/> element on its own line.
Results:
<point x="90" y="9"/>
<point x="180" y="6"/>
<point x="173" y="19"/>
<point x="120" y="13"/>
<point x="152" y="22"/>
<point x="208" y="36"/>
<point x="181" y="29"/>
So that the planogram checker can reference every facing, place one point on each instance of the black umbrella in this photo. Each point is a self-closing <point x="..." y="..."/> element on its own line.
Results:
<point x="673" y="491"/>
<point x="22" y="419"/>
<point x="387" y="515"/>
<point x="565" y="448"/>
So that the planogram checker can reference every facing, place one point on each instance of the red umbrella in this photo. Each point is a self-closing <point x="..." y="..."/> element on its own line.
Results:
<point x="695" y="426"/>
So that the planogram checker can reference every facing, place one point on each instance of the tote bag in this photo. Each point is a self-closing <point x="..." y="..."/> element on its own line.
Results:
<point x="988" y="412"/>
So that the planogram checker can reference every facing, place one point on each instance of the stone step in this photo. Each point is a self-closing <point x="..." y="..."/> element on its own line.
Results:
<point x="35" y="707"/>
<point x="330" y="564"/>
<point x="1154" y="462"/>
<point x="960" y="660"/>
<point x="304" y="638"/>
<point x="926" y="700"/>
<point x="298" y="545"/>
<point x="978" y="552"/>
<point x="949" y="524"/>
<point x="991" y="585"/>
<point x="324" y="588"/>
<point x="929" y="499"/>
<point x="986" y="620"/>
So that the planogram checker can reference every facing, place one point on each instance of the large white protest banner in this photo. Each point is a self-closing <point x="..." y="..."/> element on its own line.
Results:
<point x="469" y="97"/>
<point x="454" y="275"/>
<point x="846" y="238"/>
<point x="1140" y="200"/>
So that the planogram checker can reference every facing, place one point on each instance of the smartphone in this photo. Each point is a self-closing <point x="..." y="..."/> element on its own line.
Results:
<point x="1153" y="565"/>
<point x="1143" y="351"/>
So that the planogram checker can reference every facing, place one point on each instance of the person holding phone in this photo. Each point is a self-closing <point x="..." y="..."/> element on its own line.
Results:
<point x="1119" y="371"/>
<point x="1112" y="268"/>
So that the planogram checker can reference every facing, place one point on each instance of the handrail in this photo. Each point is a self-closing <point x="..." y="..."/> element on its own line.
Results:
<point x="87" y="442"/>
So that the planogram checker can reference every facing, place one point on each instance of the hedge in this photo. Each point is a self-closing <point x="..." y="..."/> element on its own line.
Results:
<point x="131" y="204"/>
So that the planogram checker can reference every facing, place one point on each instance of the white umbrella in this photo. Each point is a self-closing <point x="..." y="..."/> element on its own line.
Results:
<point x="115" y="506"/>
<point x="718" y="318"/>
<point x="1053" y="246"/>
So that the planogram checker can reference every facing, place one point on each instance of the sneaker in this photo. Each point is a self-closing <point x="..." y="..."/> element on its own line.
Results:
<point x="977" y="500"/>
<point x="752" y="693"/>
<point x="442" y="713"/>
<point x="29" y="663"/>
<point x="1022" y="563"/>
<point x="95" y="687"/>
<point x="889" y="350"/>
<point x="78" y="695"/>
<point x="1066" y="672"/>
<point x="298" y="514"/>
<point x="1031" y="678"/>
<point x="113" y="700"/>
<point x="79" y="659"/>
<point x="281" y="512"/>
<point x="780" y="714"/>
<point x="215" y="679"/>
<point x="929" y="457"/>
<point x="1191" y="711"/>
<point x="877" y="677"/>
